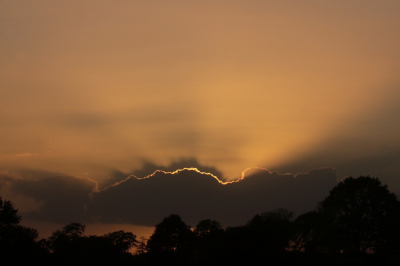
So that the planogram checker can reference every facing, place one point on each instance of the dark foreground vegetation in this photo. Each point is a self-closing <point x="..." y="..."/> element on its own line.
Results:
<point x="357" y="224"/>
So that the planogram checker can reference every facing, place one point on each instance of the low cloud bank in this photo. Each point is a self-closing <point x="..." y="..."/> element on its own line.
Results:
<point x="62" y="199"/>
<point x="190" y="193"/>
<point x="195" y="196"/>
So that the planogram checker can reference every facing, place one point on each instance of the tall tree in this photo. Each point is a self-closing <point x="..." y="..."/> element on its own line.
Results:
<point x="8" y="215"/>
<point x="273" y="230"/>
<point x="122" y="241"/>
<point x="17" y="243"/>
<point x="171" y="241"/>
<point x="360" y="216"/>
<point x="305" y="228"/>
<point x="209" y="234"/>
<point x="61" y="242"/>
<point x="208" y="229"/>
<point x="263" y="240"/>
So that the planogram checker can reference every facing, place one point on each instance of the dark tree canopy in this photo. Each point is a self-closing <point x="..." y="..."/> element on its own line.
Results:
<point x="60" y="241"/>
<point x="171" y="235"/>
<point x="273" y="229"/>
<point x="70" y="246"/>
<point x="17" y="243"/>
<point x="361" y="216"/>
<point x="122" y="240"/>
<point x="209" y="236"/>
<point x="171" y="241"/>
<point x="8" y="215"/>
<point x="207" y="228"/>
<point x="305" y="237"/>
<point x="358" y="221"/>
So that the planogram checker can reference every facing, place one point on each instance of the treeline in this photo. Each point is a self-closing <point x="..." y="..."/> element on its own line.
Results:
<point x="358" y="223"/>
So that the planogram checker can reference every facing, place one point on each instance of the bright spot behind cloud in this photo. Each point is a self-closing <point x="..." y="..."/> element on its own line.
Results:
<point x="234" y="84"/>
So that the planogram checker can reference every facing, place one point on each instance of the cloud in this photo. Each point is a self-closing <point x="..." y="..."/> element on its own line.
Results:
<point x="384" y="165"/>
<point x="196" y="195"/>
<point x="149" y="168"/>
<point x="22" y="202"/>
<point x="188" y="192"/>
<point x="63" y="198"/>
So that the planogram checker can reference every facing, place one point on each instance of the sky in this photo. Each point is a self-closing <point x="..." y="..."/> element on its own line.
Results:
<point x="92" y="92"/>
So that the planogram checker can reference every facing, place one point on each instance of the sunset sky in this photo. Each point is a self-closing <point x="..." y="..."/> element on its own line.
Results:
<point x="100" y="90"/>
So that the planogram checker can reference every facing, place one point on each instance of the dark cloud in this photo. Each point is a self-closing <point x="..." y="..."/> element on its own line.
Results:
<point x="384" y="165"/>
<point x="64" y="198"/>
<point x="195" y="196"/>
<point x="149" y="168"/>
<point x="6" y="179"/>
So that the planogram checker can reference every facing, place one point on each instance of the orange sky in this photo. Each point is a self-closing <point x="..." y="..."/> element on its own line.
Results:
<point x="87" y="87"/>
<point x="99" y="88"/>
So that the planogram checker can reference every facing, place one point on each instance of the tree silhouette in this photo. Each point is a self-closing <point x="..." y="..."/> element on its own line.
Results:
<point x="61" y="242"/>
<point x="208" y="228"/>
<point x="262" y="240"/>
<point x="305" y="237"/>
<point x="209" y="234"/>
<point x="122" y="241"/>
<point x="141" y="246"/>
<point x="8" y="215"/>
<point x="274" y="230"/>
<point x="17" y="243"/>
<point x="271" y="233"/>
<point x="360" y="216"/>
<point x="71" y="247"/>
<point x="171" y="241"/>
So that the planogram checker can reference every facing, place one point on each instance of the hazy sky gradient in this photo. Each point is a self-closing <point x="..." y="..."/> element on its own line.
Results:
<point x="94" y="88"/>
